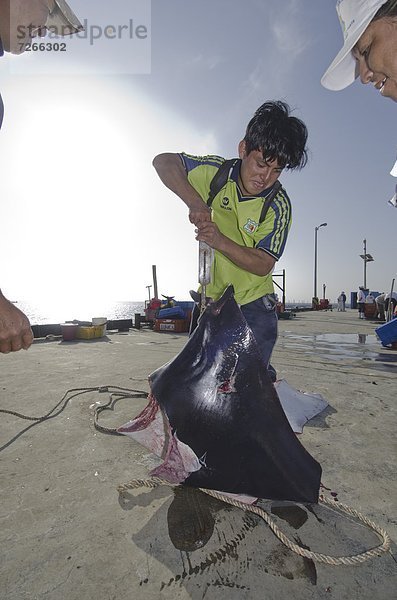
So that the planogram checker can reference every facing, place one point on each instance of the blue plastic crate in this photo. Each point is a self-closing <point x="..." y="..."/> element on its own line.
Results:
<point x="387" y="333"/>
<point x="175" y="312"/>
<point x="187" y="306"/>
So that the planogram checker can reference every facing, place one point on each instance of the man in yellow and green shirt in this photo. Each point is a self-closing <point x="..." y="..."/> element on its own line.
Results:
<point x="246" y="247"/>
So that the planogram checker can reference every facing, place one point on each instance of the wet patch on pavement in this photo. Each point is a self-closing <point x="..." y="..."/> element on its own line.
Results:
<point x="341" y="347"/>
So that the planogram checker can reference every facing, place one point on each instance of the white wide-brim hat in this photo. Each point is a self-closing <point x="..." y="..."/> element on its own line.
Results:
<point x="354" y="17"/>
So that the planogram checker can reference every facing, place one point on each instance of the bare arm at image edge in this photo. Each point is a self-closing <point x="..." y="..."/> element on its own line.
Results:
<point x="15" y="331"/>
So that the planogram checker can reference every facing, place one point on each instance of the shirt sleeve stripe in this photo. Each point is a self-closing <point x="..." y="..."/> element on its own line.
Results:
<point x="274" y="242"/>
<point x="191" y="162"/>
<point x="282" y="208"/>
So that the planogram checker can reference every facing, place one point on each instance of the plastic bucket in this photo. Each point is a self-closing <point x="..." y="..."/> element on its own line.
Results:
<point x="99" y="321"/>
<point x="69" y="331"/>
<point x="96" y="321"/>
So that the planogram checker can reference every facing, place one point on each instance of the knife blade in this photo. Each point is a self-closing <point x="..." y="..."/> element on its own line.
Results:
<point x="206" y="258"/>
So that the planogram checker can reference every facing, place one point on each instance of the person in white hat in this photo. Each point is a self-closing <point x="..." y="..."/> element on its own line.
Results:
<point x="370" y="46"/>
<point x="20" y="21"/>
<point x="369" y="51"/>
<point x="361" y="302"/>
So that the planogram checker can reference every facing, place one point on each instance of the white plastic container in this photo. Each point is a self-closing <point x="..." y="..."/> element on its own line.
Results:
<point x="100" y="321"/>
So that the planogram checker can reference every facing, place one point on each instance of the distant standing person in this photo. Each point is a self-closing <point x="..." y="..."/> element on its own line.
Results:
<point x="341" y="302"/>
<point x="361" y="302"/>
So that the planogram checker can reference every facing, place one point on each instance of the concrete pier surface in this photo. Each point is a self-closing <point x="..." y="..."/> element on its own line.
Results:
<point x="66" y="534"/>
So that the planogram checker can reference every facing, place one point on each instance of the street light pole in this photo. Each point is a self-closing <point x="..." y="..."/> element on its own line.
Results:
<point x="366" y="258"/>
<point x="315" y="257"/>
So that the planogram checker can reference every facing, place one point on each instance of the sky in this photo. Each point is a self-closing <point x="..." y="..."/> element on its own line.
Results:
<point x="82" y="211"/>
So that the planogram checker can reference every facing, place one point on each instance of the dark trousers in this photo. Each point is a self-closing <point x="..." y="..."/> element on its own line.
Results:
<point x="262" y="319"/>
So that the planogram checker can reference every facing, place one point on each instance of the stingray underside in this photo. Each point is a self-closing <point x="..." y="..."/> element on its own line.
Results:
<point x="221" y="425"/>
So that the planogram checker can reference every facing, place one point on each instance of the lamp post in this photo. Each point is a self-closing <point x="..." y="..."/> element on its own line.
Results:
<point x="315" y="257"/>
<point x="148" y="289"/>
<point x="366" y="258"/>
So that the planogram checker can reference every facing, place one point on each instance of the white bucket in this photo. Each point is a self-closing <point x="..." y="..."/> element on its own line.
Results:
<point x="100" y="321"/>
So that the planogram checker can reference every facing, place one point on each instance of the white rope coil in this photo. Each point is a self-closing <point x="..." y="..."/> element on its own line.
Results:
<point x="318" y="557"/>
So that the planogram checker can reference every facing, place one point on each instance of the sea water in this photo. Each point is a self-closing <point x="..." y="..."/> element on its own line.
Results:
<point x="41" y="313"/>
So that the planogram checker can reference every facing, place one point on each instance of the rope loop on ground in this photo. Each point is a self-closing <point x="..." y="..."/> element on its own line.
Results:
<point x="351" y="560"/>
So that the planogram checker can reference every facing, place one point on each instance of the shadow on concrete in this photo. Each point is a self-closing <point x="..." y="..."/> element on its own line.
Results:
<point x="320" y="421"/>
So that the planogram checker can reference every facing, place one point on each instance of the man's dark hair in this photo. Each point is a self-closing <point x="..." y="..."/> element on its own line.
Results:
<point x="388" y="9"/>
<point x="277" y="135"/>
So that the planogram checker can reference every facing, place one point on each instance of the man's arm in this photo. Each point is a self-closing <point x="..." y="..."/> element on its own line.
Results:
<point x="171" y="171"/>
<point x="252" y="260"/>
<point x="15" y="331"/>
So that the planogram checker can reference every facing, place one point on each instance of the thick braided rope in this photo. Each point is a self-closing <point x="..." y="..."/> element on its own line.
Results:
<point x="323" y="558"/>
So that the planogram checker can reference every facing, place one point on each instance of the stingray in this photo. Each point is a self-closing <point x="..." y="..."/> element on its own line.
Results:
<point x="216" y="421"/>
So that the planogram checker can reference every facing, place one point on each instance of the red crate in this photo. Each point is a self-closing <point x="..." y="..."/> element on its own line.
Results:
<point x="172" y="325"/>
<point x="324" y="303"/>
